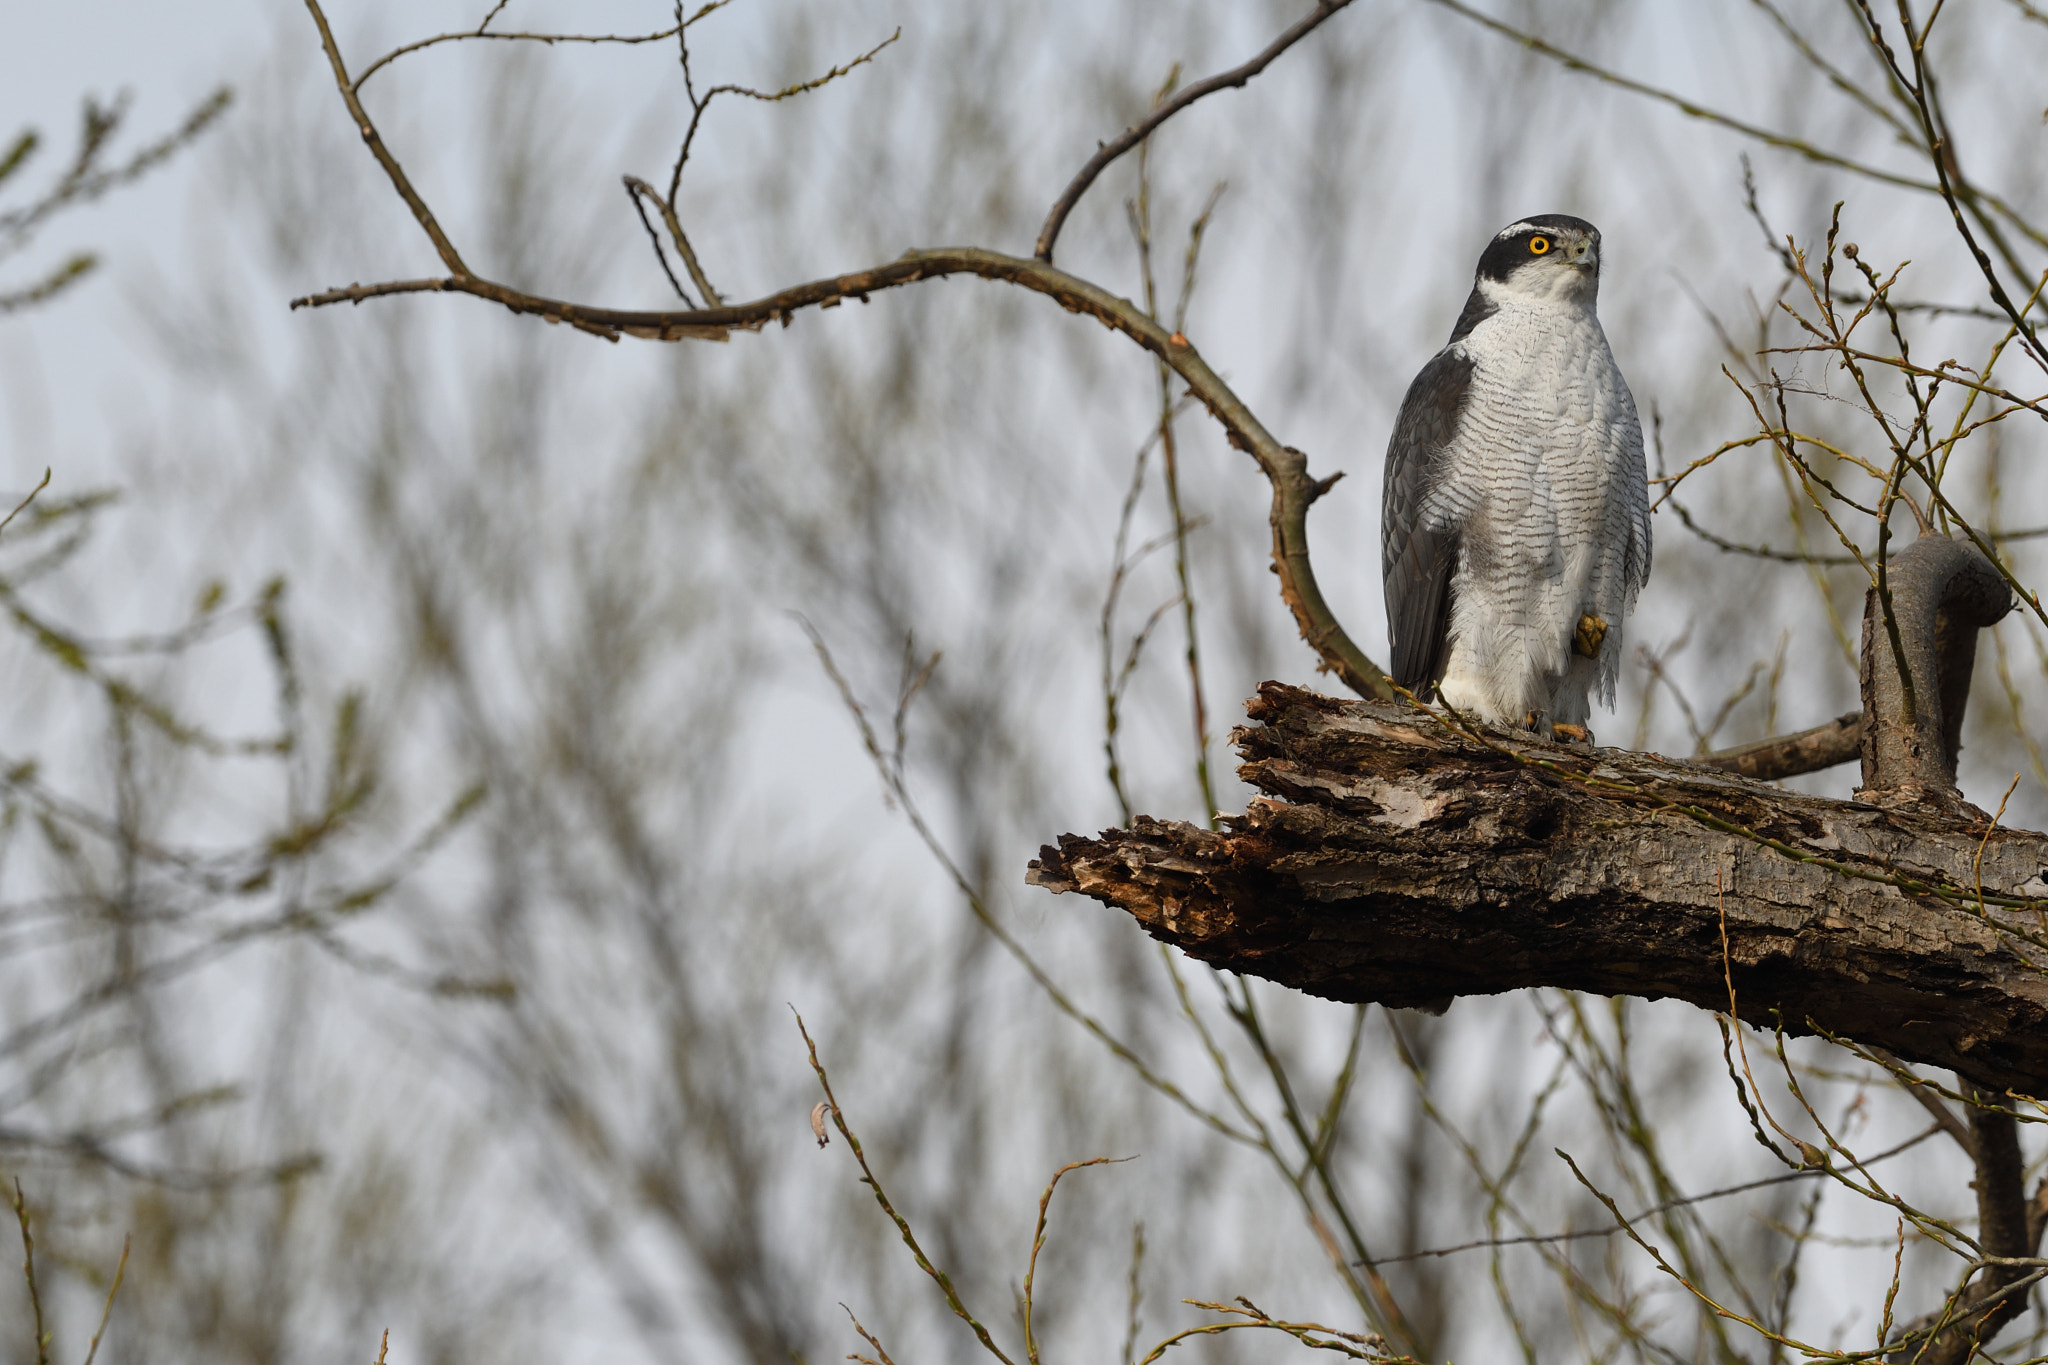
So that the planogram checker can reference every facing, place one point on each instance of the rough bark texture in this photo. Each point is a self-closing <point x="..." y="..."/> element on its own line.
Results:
<point x="1920" y="624"/>
<point x="1396" y="860"/>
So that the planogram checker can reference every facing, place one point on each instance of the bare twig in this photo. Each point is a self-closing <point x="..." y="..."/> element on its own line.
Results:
<point x="1754" y="551"/>
<point x="107" y="1312"/>
<point x="375" y="142"/>
<point x="545" y="39"/>
<point x="881" y="1351"/>
<point x="20" y="506"/>
<point x="41" y="1338"/>
<point x="1245" y="1313"/>
<point x="1038" y="1241"/>
<point x="867" y="1177"/>
<point x="700" y="104"/>
<point x="1685" y="1201"/>
<point x="638" y="190"/>
<point x="1108" y="152"/>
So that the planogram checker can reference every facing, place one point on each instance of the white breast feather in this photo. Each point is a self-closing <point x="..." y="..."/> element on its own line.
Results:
<point x="1544" y="483"/>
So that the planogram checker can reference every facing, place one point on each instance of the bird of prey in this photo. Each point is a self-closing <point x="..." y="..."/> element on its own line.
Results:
<point x="1516" y="526"/>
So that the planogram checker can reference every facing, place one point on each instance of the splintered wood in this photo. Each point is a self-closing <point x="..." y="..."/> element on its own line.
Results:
<point x="1397" y="860"/>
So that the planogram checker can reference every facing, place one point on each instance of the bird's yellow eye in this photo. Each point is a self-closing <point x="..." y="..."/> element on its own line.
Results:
<point x="1538" y="245"/>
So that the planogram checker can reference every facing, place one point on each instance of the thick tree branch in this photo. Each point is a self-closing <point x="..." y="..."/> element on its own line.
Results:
<point x="1952" y="592"/>
<point x="1397" y="860"/>
<point x="1107" y="152"/>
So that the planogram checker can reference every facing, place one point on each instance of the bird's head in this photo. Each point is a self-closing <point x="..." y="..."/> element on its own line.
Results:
<point x="1551" y="258"/>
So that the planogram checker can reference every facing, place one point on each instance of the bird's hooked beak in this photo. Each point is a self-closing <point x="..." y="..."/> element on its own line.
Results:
<point x="1584" y="254"/>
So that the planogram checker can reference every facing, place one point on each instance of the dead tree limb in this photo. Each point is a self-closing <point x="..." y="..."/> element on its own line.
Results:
<point x="1981" y="599"/>
<point x="1400" y="857"/>
<point x="1394" y="859"/>
<point x="1919" y="649"/>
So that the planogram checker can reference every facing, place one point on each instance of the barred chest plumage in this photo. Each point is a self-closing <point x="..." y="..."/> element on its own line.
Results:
<point x="1544" y="480"/>
<point x="1517" y="514"/>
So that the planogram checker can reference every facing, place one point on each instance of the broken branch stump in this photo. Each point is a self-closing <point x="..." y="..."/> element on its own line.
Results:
<point x="1395" y="859"/>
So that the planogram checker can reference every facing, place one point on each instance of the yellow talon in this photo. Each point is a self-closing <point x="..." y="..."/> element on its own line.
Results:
<point x="1591" y="634"/>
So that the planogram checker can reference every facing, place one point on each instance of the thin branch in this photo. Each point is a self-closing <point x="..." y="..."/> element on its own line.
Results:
<point x="1285" y="468"/>
<point x="881" y="1351"/>
<point x="636" y="188"/>
<point x="18" y="507"/>
<point x="549" y="39"/>
<point x="445" y="248"/>
<point x="639" y="189"/>
<point x="28" y="1269"/>
<point x="1038" y="1238"/>
<point x="1667" y="1206"/>
<point x="1369" y="1347"/>
<point x="107" y="1312"/>
<point x="867" y="1177"/>
<point x="1754" y="551"/>
<point x="1109" y="151"/>
<point x="699" y="105"/>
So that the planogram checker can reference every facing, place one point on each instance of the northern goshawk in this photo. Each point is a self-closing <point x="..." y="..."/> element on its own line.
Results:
<point x="1516" y="527"/>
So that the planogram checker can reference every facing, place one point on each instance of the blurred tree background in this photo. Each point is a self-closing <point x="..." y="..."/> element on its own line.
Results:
<point x="407" y="934"/>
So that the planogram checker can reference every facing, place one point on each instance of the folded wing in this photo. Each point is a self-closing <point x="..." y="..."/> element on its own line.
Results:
<point x="1418" y="552"/>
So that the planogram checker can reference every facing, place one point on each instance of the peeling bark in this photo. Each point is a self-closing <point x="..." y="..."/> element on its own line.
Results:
<point x="1396" y="860"/>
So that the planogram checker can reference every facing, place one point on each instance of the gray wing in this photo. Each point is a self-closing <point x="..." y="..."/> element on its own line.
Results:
<point x="1416" y="560"/>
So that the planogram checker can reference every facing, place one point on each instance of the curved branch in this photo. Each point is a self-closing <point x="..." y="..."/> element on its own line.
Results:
<point x="1285" y="468"/>
<point x="1942" y="593"/>
<point x="1107" y="152"/>
<point x="549" y="39"/>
